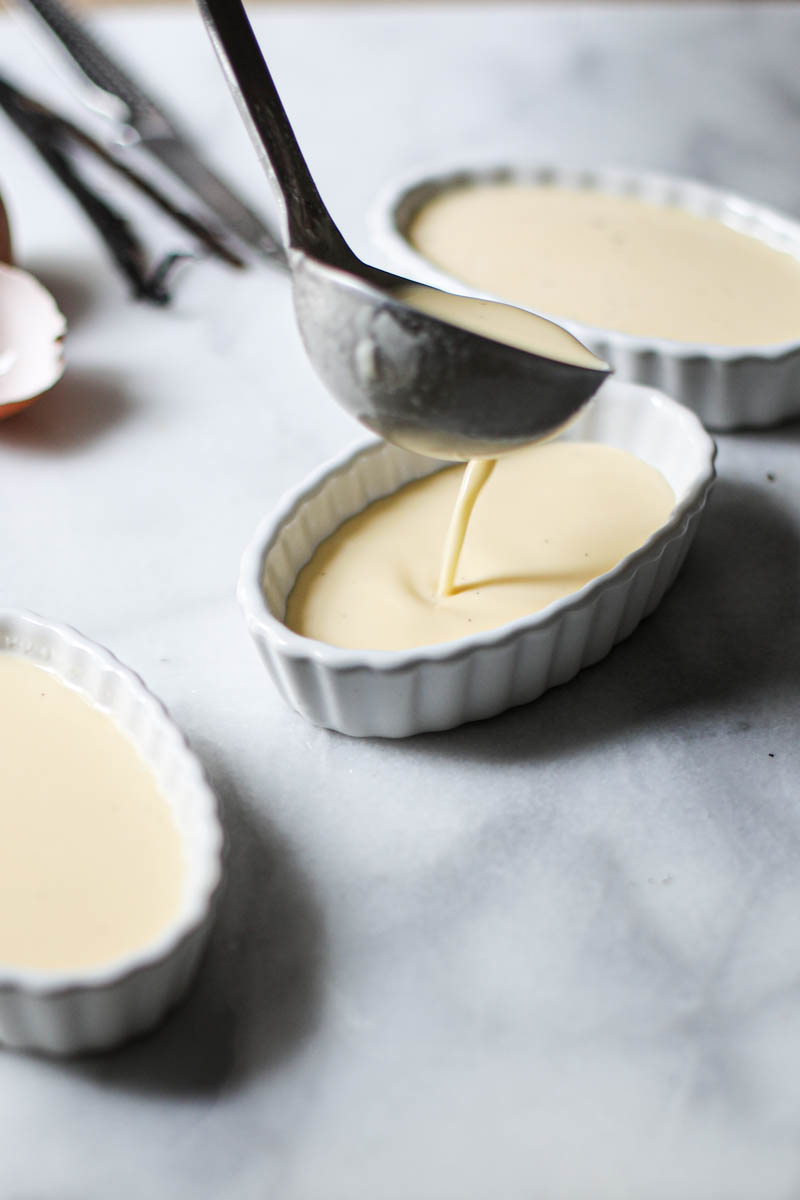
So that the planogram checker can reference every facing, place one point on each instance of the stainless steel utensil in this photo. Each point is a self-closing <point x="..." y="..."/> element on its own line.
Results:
<point x="416" y="380"/>
<point x="109" y="89"/>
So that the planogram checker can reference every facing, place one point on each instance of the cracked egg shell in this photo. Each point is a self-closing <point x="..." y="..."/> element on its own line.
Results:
<point x="31" y="329"/>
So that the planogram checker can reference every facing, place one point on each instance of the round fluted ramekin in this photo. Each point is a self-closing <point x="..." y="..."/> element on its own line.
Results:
<point x="72" y="1011"/>
<point x="729" y="387"/>
<point x="398" y="693"/>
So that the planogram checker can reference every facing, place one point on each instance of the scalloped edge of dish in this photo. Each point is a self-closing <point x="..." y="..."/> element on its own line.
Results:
<point x="72" y="1011"/>
<point x="728" y="387"/>
<point x="398" y="693"/>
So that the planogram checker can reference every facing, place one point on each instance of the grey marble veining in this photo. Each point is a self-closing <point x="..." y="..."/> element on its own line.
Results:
<point x="554" y="956"/>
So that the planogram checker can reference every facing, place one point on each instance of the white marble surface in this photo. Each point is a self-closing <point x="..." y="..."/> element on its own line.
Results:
<point x="555" y="955"/>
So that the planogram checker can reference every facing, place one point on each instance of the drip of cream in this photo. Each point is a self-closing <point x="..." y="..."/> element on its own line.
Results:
<point x="476" y="474"/>
<point x="502" y="323"/>
<point x="91" y="865"/>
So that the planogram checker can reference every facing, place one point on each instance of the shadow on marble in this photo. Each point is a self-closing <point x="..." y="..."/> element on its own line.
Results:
<point x="708" y="649"/>
<point x="66" y="280"/>
<point x="787" y="434"/>
<point x="258" y="995"/>
<point x="81" y="408"/>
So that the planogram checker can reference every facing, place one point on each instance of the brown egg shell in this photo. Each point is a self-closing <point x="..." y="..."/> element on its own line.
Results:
<point x="31" y="331"/>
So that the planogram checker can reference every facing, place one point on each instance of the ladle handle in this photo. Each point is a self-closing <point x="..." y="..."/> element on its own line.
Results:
<point x="307" y="224"/>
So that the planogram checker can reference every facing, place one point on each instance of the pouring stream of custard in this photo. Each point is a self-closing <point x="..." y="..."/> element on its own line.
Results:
<point x="476" y="474"/>
<point x="515" y="327"/>
<point x="551" y="517"/>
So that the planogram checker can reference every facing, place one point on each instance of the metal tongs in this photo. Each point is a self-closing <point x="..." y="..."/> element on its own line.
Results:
<point x="204" y="204"/>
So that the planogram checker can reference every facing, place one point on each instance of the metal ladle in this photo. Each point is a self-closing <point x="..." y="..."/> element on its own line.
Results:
<point x="412" y="378"/>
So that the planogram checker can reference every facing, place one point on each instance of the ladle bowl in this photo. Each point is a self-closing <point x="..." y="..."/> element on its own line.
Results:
<point x="412" y="378"/>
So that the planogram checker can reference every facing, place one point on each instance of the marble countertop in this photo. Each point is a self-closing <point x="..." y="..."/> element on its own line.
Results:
<point x="554" y="955"/>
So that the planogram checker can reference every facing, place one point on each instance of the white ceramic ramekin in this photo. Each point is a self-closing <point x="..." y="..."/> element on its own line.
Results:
<point x="728" y="387"/>
<point x="397" y="693"/>
<point x="68" y="1012"/>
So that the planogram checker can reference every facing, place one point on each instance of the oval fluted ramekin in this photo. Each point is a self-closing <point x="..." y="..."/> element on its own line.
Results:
<point x="398" y="693"/>
<point x="72" y="1011"/>
<point x="729" y="387"/>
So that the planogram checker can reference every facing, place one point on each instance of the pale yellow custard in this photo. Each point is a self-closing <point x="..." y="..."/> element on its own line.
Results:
<point x="91" y="864"/>
<point x="474" y="479"/>
<point x="613" y="261"/>
<point x="502" y="323"/>
<point x="549" y="518"/>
